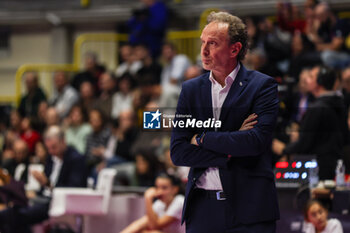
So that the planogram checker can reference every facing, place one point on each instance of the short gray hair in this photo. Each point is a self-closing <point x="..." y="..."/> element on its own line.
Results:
<point x="237" y="30"/>
<point x="54" y="131"/>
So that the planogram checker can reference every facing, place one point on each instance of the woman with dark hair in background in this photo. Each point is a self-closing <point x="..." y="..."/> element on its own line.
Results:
<point x="147" y="167"/>
<point x="97" y="140"/>
<point x="316" y="215"/>
<point x="163" y="215"/>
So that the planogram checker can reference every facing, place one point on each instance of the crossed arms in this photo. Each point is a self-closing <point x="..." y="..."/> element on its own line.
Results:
<point x="217" y="147"/>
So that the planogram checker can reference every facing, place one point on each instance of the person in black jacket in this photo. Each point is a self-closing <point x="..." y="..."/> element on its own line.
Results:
<point x="17" y="166"/>
<point x="323" y="130"/>
<point x="29" y="103"/>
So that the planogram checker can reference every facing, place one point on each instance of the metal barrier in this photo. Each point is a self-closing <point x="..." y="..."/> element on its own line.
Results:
<point x="204" y="15"/>
<point x="187" y="42"/>
<point x="39" y="68"/>
<point x="95" y="38"/>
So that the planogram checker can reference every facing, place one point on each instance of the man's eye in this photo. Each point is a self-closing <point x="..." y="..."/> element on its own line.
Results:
<point x="213" y="43"/>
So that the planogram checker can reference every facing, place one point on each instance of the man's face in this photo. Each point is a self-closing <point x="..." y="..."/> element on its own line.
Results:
<point x="31" y="81"/>
<point x="60" y="80"/>
<point x="317" y="215"/>
<point x="321" y="13"/>
<point x="21" y="151"/>
<point x="312" y="80"/>
<point x="167" y="53"/>
<point x="55" y="146"/>
<point x="215" y="50"/>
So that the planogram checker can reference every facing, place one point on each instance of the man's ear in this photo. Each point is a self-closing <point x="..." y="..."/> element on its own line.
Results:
<point x="235" y="49"/>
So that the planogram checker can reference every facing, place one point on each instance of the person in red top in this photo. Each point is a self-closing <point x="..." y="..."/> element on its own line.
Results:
<point x="29" y="135"/>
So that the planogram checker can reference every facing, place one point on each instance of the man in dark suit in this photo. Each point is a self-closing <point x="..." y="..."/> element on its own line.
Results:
<point x="231" y="184"/>
<point x="65" y="167"/>
<point x="17" y="166"/>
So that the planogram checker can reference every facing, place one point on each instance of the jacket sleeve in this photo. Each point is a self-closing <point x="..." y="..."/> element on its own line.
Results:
<point x="183" y="153"/>
<point x="257" y="140"/>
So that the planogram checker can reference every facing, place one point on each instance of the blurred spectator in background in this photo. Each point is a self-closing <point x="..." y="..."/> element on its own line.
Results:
<point x="108" y="87"/>
<point x="124" y="133"/>
<point x="97" y="141"/>
<point x="148" y="167"/>
<point x="39" y="122"/>
<point x="14" y="130"/>
<point x="29" y="135"/>
<point x="303" y="55"/>
<point x="17" y="166"/>
<point x="78" y="129"/>
<point x="330" y="37"/>
<point x="316" y="219"/>
<point x="87" y="96"/>
<point x="130" y="61"/>
<point x="148" y="24"/>
<point x="52" y="117"/>
<point x="345" y="83"/>
<point x="256" y="59"/>
<point x="146" y="93"/>
<point x="175" y="66"/>
<point x="150" y="70"/>
<point x="150" y="139"/>
<point x="122" y="100"/>
<point x="65" y="167"/>
<point x="92" y="73"/>
<point x="180" y="172"/>
<point x="297" y="103"/>
<point x="15" y="122"/>
<point x="192" y="72"/>
<point x="276" y="45"/>
<point x="289" y="17"/>
<point x="164" y="214"/>
<point x="253" y="31"/>
<point x="65" y="95"/>
<point x="323" y="130"/>
<point x="30" y="102"/>
<point x="41" y="154"/>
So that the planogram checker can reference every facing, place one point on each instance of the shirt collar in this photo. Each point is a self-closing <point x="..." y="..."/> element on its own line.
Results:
<point x="55" y="159"/>
<point x="231" y="77"/>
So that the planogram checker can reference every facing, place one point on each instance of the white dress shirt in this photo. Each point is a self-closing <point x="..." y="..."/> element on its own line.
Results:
<point x="210" y="179"/>
<point x="56" y="170"/>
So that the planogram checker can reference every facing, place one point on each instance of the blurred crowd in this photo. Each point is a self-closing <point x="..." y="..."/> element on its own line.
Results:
<point x="100" y="111"/>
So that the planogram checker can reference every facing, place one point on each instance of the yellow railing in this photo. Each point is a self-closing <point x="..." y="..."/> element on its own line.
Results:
<point x="187" y="42"/>
<point x="204" y="15"/>
<point x="37" y="68"/>
<point x="94" y="37"/>
<point x="84" y="3"/>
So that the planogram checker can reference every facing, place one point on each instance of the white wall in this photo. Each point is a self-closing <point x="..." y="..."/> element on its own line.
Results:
<point x="37" y="48"/>
<point x="106" y="51"/>
<point x="24" y="49"/>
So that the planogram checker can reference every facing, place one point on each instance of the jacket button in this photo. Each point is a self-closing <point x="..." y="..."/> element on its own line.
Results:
<point x="194" y="180"/>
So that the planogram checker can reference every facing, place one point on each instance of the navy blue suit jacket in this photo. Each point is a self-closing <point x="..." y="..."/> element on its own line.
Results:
<point x="73" y="172"/>
<point x="244" y="158"/>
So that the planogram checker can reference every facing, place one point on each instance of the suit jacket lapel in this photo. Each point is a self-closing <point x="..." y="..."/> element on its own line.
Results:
<point x="236" y="89"/>
<point x="206" y="95"/>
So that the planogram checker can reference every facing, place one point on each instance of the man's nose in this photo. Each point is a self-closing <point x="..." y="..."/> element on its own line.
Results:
<point x="205" y="50"/>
